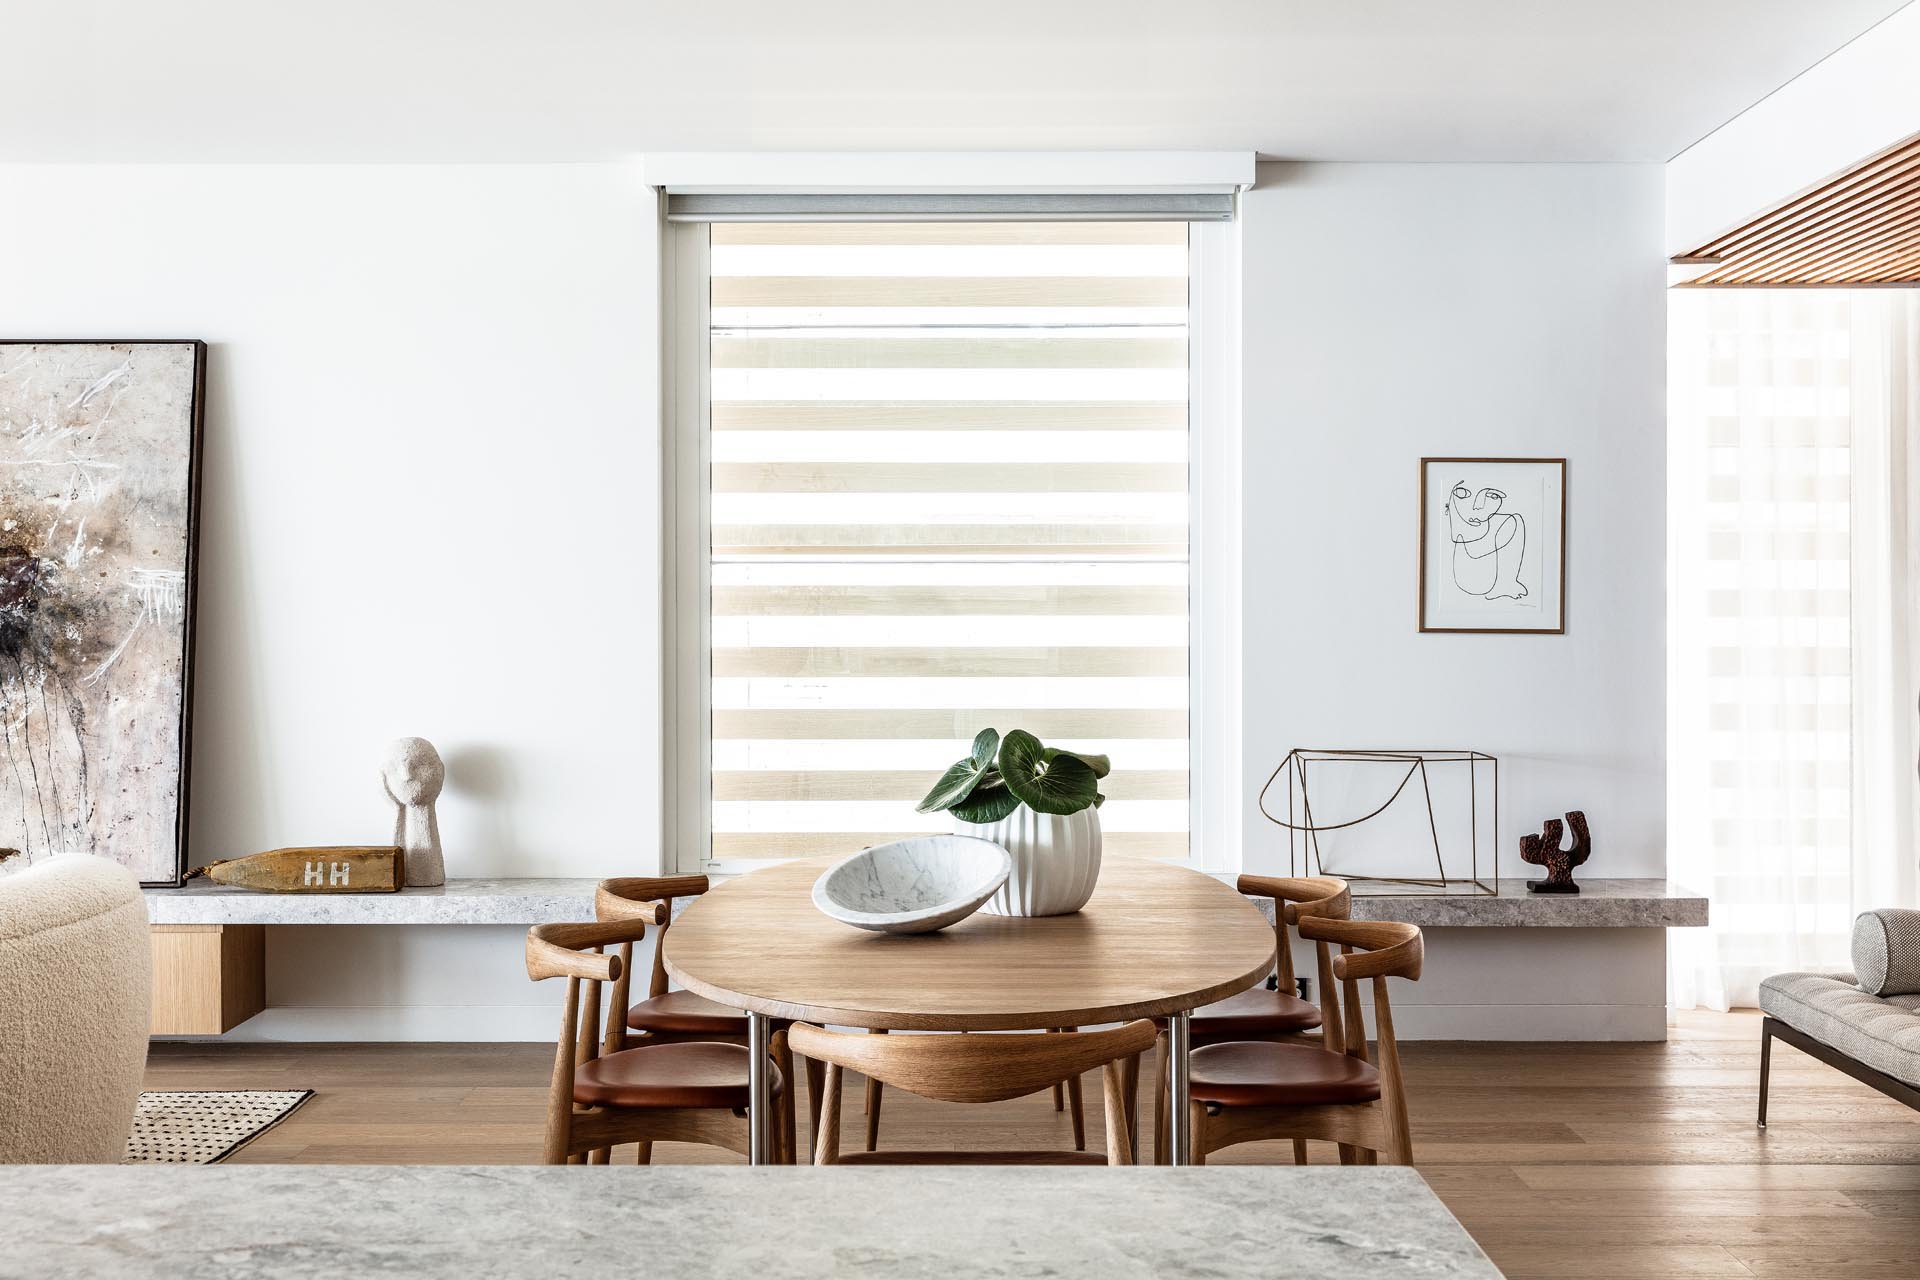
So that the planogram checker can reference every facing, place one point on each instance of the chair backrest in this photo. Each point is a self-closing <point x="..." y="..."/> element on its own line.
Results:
<point x="983" y="1067"/>
<point x="76" y="985"/>
<point x="576" y="952"/>
<point x="648" y="898"/>
<point x="1296" y="897"/>
<point x="989" y="1067"/>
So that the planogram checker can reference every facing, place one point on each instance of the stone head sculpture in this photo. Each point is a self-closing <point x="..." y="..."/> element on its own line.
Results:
<point x="413" y="774"/>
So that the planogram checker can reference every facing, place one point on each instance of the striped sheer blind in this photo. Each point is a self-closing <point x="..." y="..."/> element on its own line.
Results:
<point x="949" y="491"/>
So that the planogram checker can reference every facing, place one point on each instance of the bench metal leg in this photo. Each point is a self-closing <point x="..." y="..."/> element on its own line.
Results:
<point x="1766" y="1063"/>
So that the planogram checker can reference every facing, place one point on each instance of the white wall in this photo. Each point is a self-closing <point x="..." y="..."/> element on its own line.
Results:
<point x="430" y="506"/>
<point x="1864" y="98"/>
<point x="1400" y="311"/>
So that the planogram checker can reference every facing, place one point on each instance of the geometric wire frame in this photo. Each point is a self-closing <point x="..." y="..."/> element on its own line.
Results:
<point x="1303" y="833"/>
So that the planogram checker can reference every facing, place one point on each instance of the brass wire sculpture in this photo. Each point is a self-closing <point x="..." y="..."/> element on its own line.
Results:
<point x="1303" y="833"/>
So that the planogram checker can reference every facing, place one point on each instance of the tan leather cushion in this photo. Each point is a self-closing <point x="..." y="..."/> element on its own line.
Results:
<point x="702" y="1074"/>
<point x="1255" y="1012"/>
<point x="1261" y="1074"/>
<point x="687" y="1014"/>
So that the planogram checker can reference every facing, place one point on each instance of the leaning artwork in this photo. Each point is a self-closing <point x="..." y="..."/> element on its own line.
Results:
<point x="99" y="470"/>
<point x="1493" y="544"/>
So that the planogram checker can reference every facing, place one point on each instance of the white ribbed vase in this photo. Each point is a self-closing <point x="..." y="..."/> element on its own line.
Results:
<point x="1056" y="860"/>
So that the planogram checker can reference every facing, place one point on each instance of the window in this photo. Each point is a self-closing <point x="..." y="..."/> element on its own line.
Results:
<point x="943" y="485"/>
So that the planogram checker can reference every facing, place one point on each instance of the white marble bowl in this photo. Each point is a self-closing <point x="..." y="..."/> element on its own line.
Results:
<point x="912" y="886"/>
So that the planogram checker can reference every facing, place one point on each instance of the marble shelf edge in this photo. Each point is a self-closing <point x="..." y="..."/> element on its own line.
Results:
<point x="472" y="901"/>
<point x="1602" y="903"/>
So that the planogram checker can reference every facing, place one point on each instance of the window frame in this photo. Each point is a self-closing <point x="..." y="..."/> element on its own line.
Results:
<point x="1215" y="785"/>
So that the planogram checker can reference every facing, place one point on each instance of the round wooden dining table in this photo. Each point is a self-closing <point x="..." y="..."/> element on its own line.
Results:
<point x="1156" y="940"/>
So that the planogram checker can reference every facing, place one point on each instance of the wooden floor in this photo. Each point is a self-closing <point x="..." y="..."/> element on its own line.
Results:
<point x="1561" y="1159"/>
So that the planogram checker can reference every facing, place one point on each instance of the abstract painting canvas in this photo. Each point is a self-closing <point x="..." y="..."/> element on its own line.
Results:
<point x="1493" y="545"/>
<point x="99" y="479"/>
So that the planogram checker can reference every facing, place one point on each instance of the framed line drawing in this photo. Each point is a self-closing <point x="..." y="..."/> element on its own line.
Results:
<point x="1493" y="545"/>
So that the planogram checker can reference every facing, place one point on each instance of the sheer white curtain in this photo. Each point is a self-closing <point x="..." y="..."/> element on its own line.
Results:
<point x="1791" y="666"/>
<point x="1886" y="593"/>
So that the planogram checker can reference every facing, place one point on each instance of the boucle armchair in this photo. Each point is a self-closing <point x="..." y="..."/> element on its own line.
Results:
<point x="75" y="989"/>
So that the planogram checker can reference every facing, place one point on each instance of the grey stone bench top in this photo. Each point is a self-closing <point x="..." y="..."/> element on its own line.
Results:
<point x="531" y="900"/>
<point x="563" y="1221"/>
<point x="1599" y="904"/>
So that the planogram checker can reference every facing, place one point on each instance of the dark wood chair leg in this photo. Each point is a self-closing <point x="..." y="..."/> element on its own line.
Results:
<point x="1766" y="1064"/>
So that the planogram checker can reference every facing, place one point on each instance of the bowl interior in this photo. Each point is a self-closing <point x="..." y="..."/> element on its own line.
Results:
<point x="916" y="874"/>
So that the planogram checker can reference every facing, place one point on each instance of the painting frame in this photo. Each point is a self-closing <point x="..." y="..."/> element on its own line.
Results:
<point x="175" y="869"/>
<point x="1553" y="568"/>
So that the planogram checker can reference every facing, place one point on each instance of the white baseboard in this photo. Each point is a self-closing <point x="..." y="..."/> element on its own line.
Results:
<point x="1529" y="1022"/>
<point x="440" y="1023"/>
<point x="536" y="1023"/>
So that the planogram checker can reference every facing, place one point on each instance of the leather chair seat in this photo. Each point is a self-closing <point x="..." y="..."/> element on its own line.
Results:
<point x="1255" y="1012"/>
<point x="701" y="1074"/>
<point x="684" y="1013"/>
<point x="1263" y="1074"/>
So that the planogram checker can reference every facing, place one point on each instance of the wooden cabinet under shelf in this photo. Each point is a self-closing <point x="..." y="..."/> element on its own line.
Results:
<point x="207" y="978"/>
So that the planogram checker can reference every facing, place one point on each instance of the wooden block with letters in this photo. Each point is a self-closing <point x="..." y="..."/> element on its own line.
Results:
<point x="351" y="868"/>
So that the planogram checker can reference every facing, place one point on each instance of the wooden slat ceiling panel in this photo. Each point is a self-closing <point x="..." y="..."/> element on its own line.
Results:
<point x="1858" y="228"/>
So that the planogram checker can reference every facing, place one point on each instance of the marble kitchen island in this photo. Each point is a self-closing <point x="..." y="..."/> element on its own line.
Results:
<point x="294" y="1222"/>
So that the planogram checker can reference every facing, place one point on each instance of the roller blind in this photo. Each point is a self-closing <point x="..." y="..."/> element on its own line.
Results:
<point x="948" y="491"/>
<point x="1120" y="207"/>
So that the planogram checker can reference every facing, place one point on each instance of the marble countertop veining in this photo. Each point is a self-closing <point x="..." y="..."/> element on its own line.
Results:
<point x="302" y="1222"/>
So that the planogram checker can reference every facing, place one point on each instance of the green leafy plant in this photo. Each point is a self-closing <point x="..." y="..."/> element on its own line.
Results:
<point x="1001" y="774"/>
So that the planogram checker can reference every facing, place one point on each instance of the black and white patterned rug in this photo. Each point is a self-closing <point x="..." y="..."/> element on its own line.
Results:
<point x="205" y="1126"/>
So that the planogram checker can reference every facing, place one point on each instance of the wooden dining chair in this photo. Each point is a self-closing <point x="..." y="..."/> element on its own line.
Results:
<point x="1278" y="1015"/>
<point x="684" y="1091"/>
<point x="668" y="1016"/>
<point x="1249" y="1091"/>
<point x="979" y="1067"/>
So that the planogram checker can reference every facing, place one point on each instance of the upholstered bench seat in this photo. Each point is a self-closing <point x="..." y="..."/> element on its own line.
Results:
<point x="1881" y="1031"/>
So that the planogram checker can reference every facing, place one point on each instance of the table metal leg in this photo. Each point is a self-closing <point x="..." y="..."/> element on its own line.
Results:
<point x="1180" y="1091"/>
<point x="759" y="1091"/>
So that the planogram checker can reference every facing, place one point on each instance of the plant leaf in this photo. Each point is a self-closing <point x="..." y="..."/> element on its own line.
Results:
<point x="1064" y="784"/>
<point x="991" y="801"/>
<point x="1100" y="765"/>
<point x="955" y="785"/>
<point x="985" y="745"/>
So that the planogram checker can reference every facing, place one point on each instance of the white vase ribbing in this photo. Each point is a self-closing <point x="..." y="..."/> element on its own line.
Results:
<point x="1056" y="860"/>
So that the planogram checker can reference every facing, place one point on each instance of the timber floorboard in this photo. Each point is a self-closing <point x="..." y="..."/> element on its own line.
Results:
<point x="1562" y="1160"/>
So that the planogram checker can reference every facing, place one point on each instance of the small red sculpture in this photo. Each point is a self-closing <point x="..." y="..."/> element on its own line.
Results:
<point x="1544" y="850"/>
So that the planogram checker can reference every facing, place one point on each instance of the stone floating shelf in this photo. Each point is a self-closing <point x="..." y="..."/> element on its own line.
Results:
<point x="1600" y="904"/>
<point x="534" y="900"/>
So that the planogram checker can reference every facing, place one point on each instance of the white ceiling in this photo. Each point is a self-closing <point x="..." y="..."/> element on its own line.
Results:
<point x="499" y="80"/>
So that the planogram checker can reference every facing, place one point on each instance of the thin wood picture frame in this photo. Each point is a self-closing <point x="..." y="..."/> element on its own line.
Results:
<point x="1499" y="579"/>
